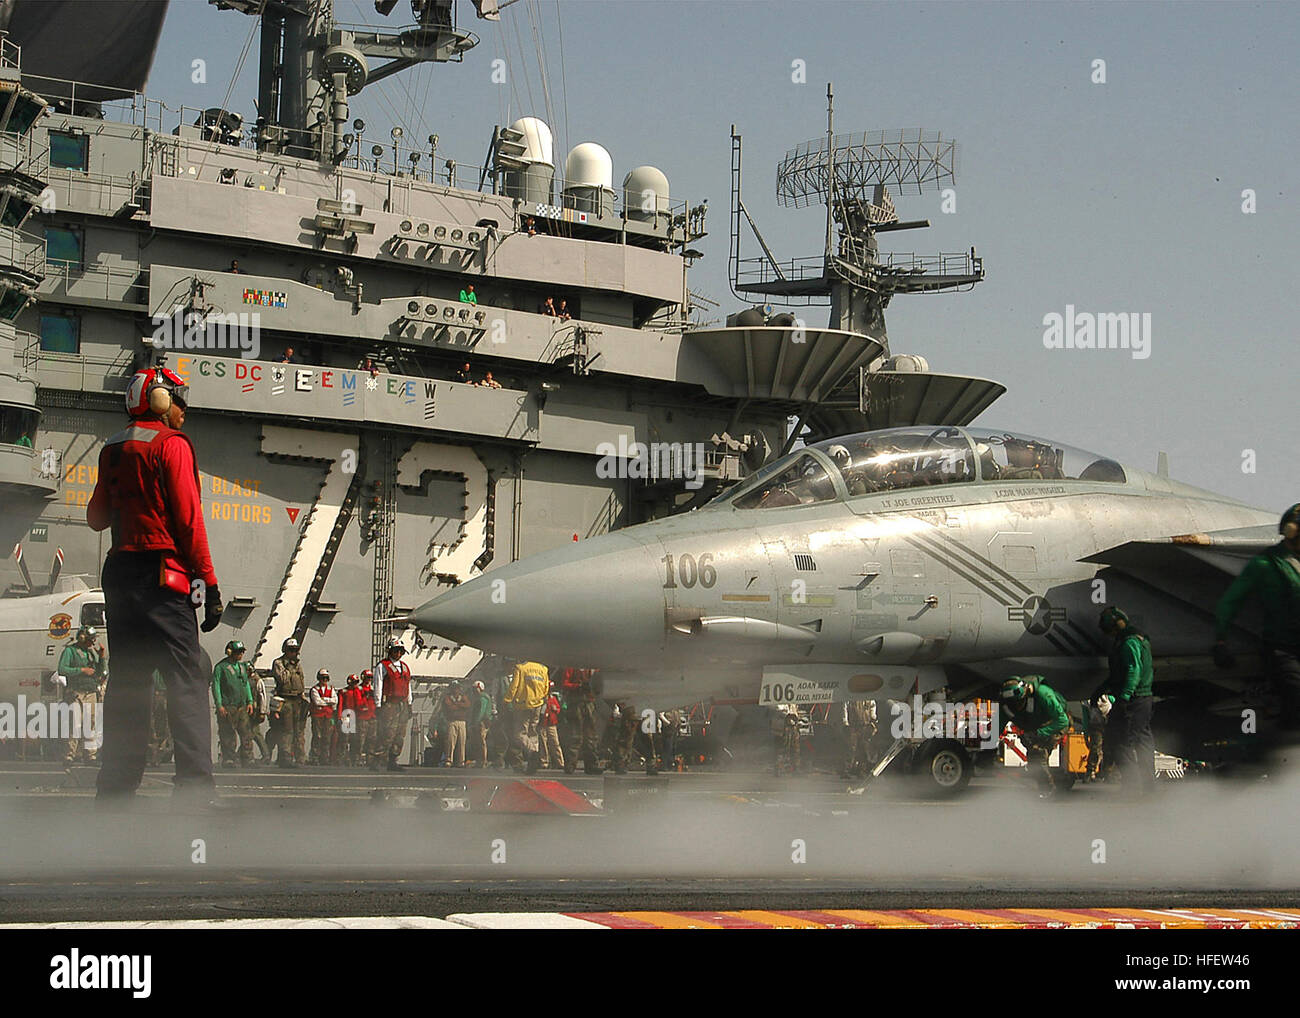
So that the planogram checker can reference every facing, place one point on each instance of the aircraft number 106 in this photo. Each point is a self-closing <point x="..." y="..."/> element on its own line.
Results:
<point x="691" y="571"/>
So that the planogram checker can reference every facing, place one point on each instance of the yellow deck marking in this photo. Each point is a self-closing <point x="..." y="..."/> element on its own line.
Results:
<point x="670" y="920"/>
<point x="783" y="919"/>
<point x="885" y="919"/>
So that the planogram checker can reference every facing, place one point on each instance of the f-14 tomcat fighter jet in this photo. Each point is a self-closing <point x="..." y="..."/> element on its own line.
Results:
<point x="881" y="565"/>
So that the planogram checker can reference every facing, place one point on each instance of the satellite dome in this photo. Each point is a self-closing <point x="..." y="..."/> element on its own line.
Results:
<point x="589" y="165"/>
<point x="645" y="193"/>
<point x="538" y="144"/>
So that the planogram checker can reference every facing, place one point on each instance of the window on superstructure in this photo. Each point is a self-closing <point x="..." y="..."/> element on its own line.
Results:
<point x="64" y="246"/>
<point x="69" y="151"/>
<point x="60" y="334"/>
<point x="18" y="425"/>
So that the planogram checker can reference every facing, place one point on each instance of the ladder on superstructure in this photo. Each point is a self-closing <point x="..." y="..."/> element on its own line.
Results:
<point x="382" y="543"/>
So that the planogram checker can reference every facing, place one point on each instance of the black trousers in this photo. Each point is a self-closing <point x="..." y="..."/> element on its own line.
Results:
<point x="1136" y="754"/>
<point x="151" y="628"/>
<point x="1282" y="666"/>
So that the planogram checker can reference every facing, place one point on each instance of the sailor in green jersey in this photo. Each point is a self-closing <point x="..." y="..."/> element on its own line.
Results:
<point x="1129" y="683"/>
<point x="82" y="666"/>
<point x="1273" y="579"/>
<point x="1041" y="715"/>
<point x="232" y="693"/>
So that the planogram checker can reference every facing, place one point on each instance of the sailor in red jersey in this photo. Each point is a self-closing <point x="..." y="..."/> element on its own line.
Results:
<point x="158" y="571"/>
<point x="393" y="697"/>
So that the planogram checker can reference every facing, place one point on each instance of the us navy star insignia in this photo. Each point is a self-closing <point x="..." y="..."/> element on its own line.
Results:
<point x="1037" y="614"/>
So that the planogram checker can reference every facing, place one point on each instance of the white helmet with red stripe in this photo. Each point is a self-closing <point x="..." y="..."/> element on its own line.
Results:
<point x="153" y="390"/>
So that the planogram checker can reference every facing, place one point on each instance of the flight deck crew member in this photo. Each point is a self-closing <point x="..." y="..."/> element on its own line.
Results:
<point x="82" y="666"/>
<point x="157" y="572"/>
<point x="159" y="731"/>
<point x="1040" y="714"/>
<point x="393" y="699"/>
<point x="456" y="708"/>
<point x="349" y="726"/>
<point x="1095" y="715"/>
<point x="529" y="687"/>
<point x="623" y="725"/>
<point x="1129" y="684"/>
<point x="290" y="687"/>
<point x="256" y="719"/>
<point x="367" y="725"/>
<point x="548" y="732"/>
<point x="324" y="710"/>
<point x="1273" y="578"/>
<point x="232" y="694"/>
<point x="860" y="719"/>
<point x="480" y="720"/>
<point x="580" y="705"/>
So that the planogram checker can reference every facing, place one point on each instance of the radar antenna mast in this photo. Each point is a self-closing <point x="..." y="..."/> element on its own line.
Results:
<point x="853" y="176"/>
<point x="310" y="66"/>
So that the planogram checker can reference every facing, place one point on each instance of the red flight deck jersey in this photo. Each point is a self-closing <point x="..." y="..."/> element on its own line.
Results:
<point x="148" y="493"/>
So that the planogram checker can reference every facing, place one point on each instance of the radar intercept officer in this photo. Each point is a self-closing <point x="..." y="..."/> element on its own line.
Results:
<point x="157" y="572"/>
<point x="1274" y="579"/>
<point x="393" y="698"/>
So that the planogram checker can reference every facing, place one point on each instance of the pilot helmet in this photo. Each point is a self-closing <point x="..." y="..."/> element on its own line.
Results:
<point x="839" y="454"/>
<point x="1110" y="619"/>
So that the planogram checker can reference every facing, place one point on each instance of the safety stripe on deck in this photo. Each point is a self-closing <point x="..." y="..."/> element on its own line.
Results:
<point x="954" y="918"/>
<point x="751" y="919"/>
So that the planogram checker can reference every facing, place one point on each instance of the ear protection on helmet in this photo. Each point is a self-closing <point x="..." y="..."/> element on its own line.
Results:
<point x="1290" y="525"/>
<point x="154" y="390"/>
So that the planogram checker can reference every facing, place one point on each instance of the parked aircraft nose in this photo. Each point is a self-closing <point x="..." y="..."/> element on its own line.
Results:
<point x="591" y="604"/>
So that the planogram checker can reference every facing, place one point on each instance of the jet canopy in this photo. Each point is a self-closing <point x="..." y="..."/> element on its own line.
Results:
<point x="890" y="460"/>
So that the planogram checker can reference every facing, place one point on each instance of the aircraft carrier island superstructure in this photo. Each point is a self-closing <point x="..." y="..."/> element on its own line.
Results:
<point x="357" y="478"/>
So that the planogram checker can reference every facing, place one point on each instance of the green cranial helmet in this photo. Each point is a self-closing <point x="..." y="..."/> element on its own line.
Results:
<point x="1290" y="522"/>
<point x="1110" y="619"/>
<point x="87" y="632"/>
<point x="1015" y="688"/>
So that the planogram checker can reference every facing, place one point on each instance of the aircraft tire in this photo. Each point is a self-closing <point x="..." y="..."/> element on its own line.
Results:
<point x="943" y="768"/>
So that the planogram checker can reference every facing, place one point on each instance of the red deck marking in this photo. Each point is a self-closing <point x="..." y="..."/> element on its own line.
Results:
<point x="614" y="920"/>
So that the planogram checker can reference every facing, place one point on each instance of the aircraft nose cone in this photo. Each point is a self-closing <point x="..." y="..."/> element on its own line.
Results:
<point x="589" y="605"/>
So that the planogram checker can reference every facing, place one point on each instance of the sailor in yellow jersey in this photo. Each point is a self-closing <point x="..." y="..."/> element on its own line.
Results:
<point x="525" y="698"/>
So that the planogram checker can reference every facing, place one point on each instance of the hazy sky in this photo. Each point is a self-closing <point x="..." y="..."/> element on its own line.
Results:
<point x="1117" y="197"/>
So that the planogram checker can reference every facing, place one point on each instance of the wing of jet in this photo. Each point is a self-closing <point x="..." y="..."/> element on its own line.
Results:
<point x="1188" y="555"/>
